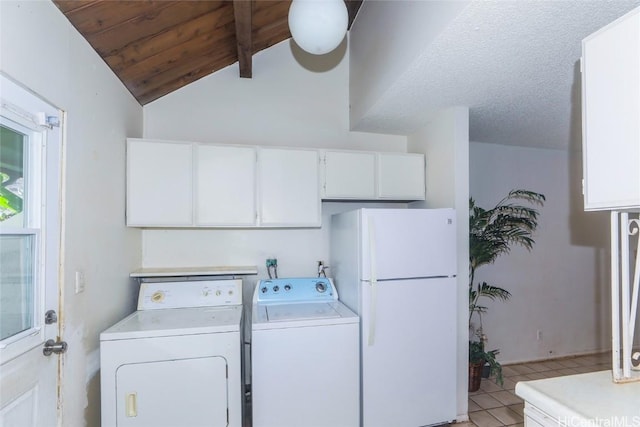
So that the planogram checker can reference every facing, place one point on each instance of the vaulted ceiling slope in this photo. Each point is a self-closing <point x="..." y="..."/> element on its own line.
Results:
<point x="156" y="47"/>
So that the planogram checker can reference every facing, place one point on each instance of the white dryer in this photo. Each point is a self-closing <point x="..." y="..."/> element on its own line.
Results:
<point x="177" y="360"/>
<point x="305" y="365"/>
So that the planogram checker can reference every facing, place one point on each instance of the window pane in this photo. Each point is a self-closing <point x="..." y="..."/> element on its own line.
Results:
<point x="12" y="156"/>
<point x="17" y="283"/>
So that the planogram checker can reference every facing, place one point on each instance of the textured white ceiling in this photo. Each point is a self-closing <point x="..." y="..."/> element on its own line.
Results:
<point x="514" y="63"/>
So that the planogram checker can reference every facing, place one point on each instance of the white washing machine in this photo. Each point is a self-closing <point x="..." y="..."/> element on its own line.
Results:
<point x="305" y="362"/>
<point x="177" y="360"/>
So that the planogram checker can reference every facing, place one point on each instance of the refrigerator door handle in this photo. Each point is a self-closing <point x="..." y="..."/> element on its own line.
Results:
<point x="373" y="295"/>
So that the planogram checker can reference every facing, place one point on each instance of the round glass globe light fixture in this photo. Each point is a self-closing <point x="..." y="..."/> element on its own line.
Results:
<point x="318" y="26"/>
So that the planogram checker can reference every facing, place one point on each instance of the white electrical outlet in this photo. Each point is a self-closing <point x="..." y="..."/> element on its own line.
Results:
<point x="80" y="282"/>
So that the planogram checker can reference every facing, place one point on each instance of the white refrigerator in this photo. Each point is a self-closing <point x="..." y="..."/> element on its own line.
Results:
<point x="396" y="269"/>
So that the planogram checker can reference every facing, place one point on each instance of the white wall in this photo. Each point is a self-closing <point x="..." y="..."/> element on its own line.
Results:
<point x="445" y="143"/>
<point x="41" y="50"/>
<point x="293" y="99"/>
<point x="297" y="250"/>
<point x="560" y="287"/>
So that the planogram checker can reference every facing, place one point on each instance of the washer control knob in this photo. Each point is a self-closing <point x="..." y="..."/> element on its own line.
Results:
<point x="321" y="287"/>
<point x="276" y="288"/>
<point x="287" y="287"/>
<point x="264" y="289"/>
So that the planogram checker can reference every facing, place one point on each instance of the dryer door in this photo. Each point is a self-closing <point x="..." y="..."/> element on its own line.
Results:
<point x="185" y="392"/>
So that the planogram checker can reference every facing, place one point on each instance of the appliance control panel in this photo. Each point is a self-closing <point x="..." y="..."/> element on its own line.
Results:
<point x="197" y="293"/>
<point x="299" y="289"/>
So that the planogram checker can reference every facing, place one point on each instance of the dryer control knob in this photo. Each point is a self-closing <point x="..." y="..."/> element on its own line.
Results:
<point x="321" y="287"/>
<point x="157" y="296"/>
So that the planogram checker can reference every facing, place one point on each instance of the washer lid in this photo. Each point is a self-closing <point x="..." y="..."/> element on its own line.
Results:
<point x="300" y="311"/>
<point x="278" y="316"/>
<point x="176" y="321"/>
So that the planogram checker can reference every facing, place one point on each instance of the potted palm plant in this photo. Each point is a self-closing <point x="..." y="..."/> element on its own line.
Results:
<point x="492" y="232"/>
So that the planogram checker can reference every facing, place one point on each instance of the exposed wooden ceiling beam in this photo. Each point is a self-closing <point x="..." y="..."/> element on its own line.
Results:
<point x="242" y="11"/>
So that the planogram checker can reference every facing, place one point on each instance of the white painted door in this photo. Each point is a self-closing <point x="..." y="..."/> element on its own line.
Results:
<point x="349" y="175"/>
<point x="30" y="196"/>
<point x="225" y="185"/>
<point x="289" y="187"/>
<point x="159" y="183"/>
<point x="401" y="176"/>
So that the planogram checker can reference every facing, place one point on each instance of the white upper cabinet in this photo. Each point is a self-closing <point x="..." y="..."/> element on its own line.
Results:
<point x="611" y="115"/>
<point x="401" y="176"/>
<point x="289" y="190"/>
<point x="159" y="183"/>
<point x="189" y="184"/>
<point x="349" y="175"/>
<point x="363" y="175"/>
<point x="225" y="185"/>
<point x="183" y="184"/>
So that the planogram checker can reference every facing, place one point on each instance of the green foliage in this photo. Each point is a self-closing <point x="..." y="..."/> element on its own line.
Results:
<point x="477" y="354"/>
<point x="492" y="232"/>
<point x="10" y="204"/>
<point x="487" y="291"/>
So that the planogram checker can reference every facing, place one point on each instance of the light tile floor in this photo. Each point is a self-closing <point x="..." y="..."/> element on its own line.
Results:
<point x="497" y="406"/>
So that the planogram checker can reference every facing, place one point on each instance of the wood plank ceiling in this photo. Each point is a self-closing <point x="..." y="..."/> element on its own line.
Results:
<point x="156" y="47"/>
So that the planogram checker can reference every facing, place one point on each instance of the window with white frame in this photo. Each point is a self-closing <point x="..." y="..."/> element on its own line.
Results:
<point x="29" y="217"/>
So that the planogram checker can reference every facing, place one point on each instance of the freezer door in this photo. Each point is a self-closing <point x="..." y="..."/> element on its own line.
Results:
<point x="407" y="243"/>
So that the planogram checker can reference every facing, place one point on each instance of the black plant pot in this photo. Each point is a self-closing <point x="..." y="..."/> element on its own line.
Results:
<point x="486" y="371"/>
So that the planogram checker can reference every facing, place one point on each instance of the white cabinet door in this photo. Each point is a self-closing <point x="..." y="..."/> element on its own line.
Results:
<point x="225" y="185"/>
<point x="401" y="176"/>
<point x="159" y="183"/>
<point x="349" y="175"/>
<point x="611" y="115"/>
<point x="289" y="187"/>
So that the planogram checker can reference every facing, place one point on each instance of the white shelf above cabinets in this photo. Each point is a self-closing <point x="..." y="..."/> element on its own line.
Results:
<point x="363" y="175"/>
<point x="195" y="271"/>
<point x="611" y="115"/>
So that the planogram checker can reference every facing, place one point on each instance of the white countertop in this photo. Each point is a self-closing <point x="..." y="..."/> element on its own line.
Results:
<point x="591" y="398"/>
